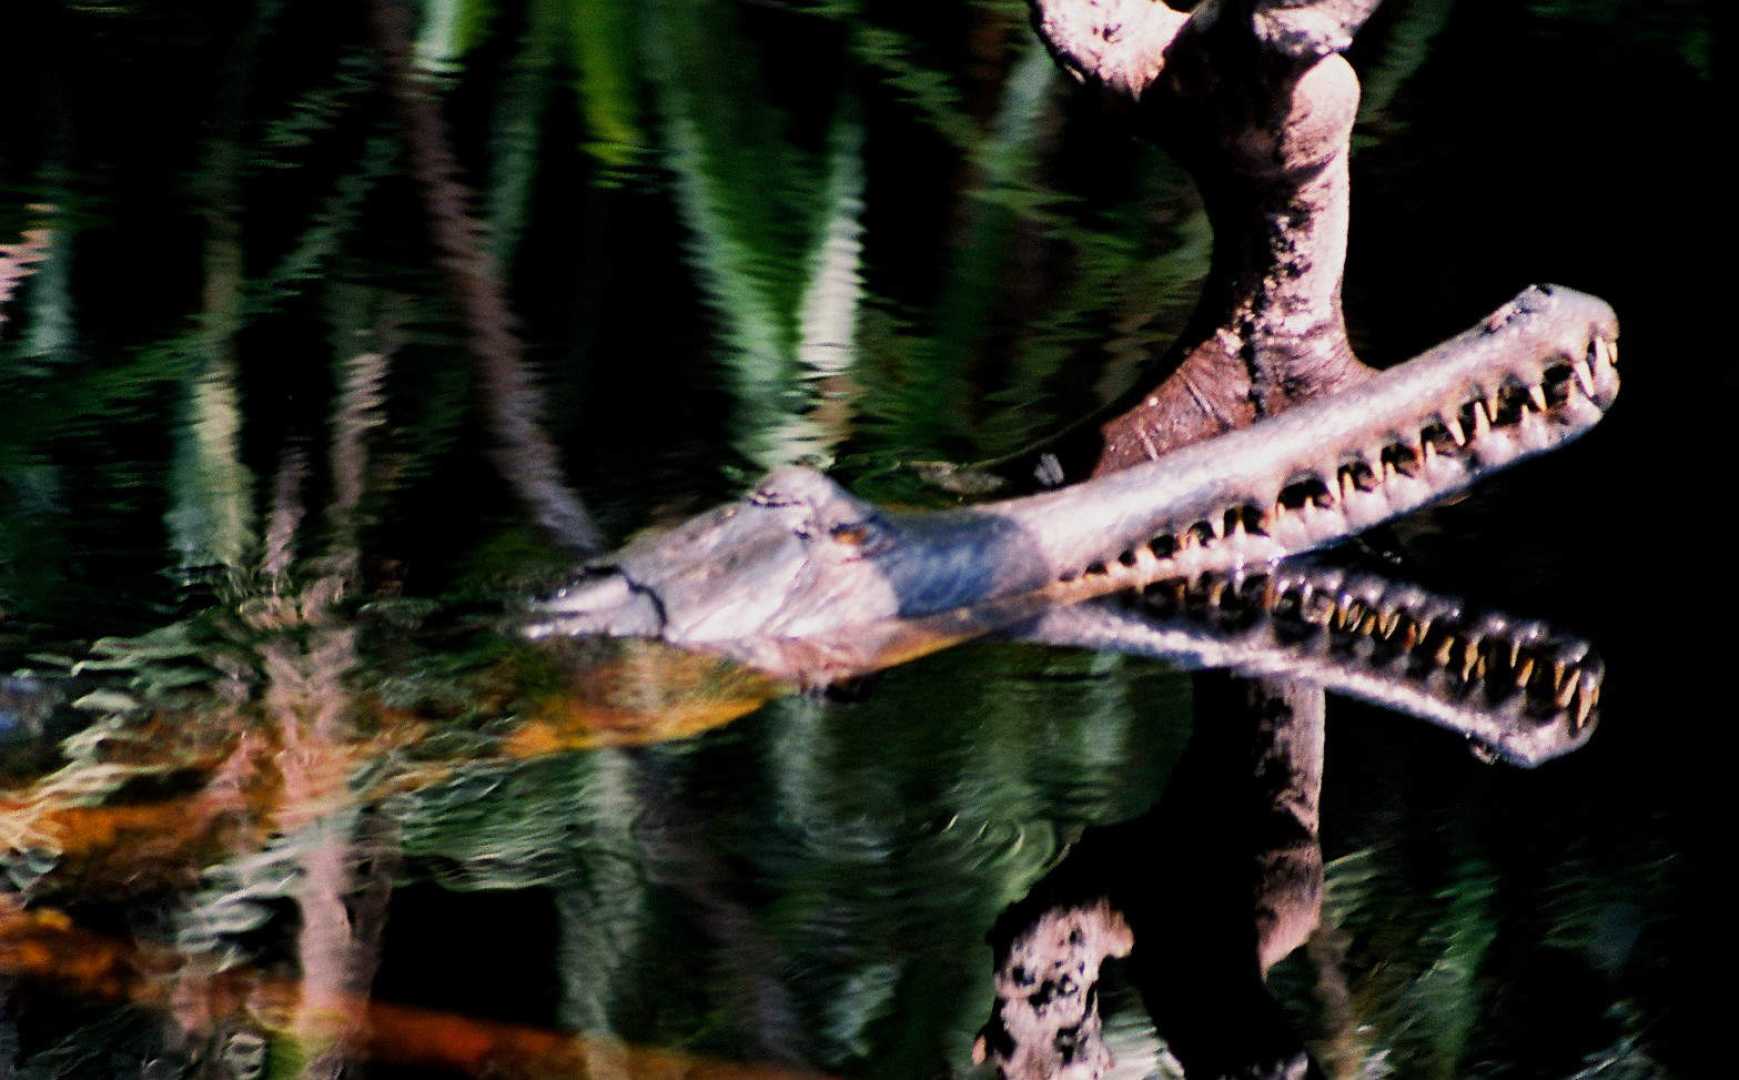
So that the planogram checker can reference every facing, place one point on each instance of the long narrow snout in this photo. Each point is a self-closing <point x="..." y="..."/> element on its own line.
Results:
<point x="603" y="602"/>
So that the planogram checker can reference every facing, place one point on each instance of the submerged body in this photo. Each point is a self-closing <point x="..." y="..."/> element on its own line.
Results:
<point x="802" y="579"/>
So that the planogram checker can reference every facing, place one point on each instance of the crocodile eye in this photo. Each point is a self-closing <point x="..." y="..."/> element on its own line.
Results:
<point x="852" y="534"/>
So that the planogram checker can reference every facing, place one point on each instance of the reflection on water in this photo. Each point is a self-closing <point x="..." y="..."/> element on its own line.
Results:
<point x="279" y="795"/>
<point x="1513" y="688"/>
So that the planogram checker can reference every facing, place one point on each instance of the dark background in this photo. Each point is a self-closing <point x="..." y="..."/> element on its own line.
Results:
<point x="655" y="180"/>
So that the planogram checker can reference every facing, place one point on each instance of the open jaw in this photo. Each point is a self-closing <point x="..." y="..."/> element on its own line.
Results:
<point x="803" y="579"/>
<point x="1517" y="689"/>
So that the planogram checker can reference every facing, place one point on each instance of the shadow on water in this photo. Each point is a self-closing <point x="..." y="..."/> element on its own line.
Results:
<point x="277" y="291"/>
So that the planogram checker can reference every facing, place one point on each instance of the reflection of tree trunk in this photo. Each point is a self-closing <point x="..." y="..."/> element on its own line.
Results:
<point x="1250" y="815"/>
<point x="323" y="943"/>
<point x="212" y="515"/>
<point x="1344" y="1043"/>
<point x="1211" y="888"/>
<point x="18" y="261"/>
<point x="337" y="957"/>
<point x="338" y="944"/>
<point x="306" y="657"/>
<point x="527" y="459"/>
<point x="308" y="703"/>
<point x="1288" y="719"/>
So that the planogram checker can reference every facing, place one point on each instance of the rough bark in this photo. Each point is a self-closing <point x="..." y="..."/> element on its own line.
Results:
<point x="1255" y="100"/>
<point x="1238" y="886"/>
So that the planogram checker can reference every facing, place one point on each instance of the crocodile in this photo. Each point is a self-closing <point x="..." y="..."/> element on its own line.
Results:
<point x="802" y="579"/>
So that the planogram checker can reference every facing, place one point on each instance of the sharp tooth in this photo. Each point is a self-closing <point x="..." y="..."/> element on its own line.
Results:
<point x="1469" y="661"/>
<point x="1481" y="420"/>
<point x="1410" y="638"/>
<point x="1479" y="669"/>
<point x="1602" y="352"/>
<point x="1430" y="451"/>
<point x="1347" y="487"/>
<point x="1584" y="705"/>
<point x="1516" y="652"/>
<point x="1612" y="353"/>
<point x="1388" y="469"/>
<point x="1455" y="432"/>
<point x="1524" y="673"/>
<point x="1216" y="590"/>
<point x="1557" y="675"/>
<point x="1443" y="651"/>
<point x="1537" y="397"/>
<point x="1565" y="694"/>
<point x="1584" y="376"/>
<point x="1390" y="622"/>
<point x="1492" y="402"/>
<point x="1367" y="626"/>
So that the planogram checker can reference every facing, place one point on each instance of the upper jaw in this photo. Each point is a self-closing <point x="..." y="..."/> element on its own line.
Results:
<point x="1536" y="374"/>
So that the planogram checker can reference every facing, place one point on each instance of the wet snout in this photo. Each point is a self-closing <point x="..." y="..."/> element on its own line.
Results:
<point x="603" y="601"/>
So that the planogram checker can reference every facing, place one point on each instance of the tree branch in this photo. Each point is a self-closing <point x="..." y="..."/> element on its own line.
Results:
<point x="1310" y="29"/>
<point x="1116" y="44"/>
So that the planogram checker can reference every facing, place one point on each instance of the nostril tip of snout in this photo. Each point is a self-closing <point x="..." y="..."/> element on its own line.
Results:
<point x="604" y="601"/>
<point x="597" y="591"/>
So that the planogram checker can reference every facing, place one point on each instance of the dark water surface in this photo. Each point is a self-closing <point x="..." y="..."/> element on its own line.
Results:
<point x="280" y="792"/>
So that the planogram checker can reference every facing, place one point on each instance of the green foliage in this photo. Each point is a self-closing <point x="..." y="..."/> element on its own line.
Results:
<point x="450" y="30"/>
